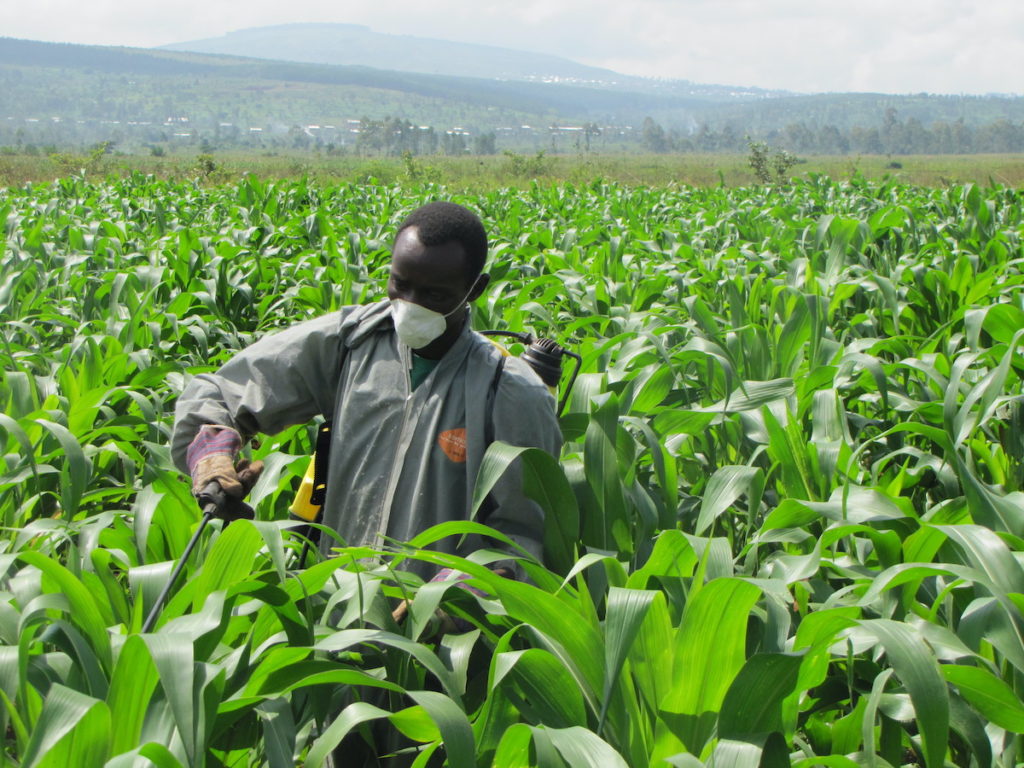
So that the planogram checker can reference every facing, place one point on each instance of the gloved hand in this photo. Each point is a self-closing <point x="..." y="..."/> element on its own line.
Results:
<point x="211" y="458"/>
<point x="214" y="501"/>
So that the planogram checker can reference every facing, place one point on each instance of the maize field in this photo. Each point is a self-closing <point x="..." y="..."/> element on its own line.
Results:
<point x="786" y="526"/>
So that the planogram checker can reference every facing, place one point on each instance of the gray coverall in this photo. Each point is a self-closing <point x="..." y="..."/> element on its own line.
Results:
<point x="400" y="460"/>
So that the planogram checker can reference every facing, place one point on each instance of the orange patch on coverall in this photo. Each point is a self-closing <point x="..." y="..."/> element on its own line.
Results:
<point x="453" y="443"/>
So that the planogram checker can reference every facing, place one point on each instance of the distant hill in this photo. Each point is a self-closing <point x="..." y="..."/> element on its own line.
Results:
<point x="78" y="80"/>
<point x="355" y="45"/>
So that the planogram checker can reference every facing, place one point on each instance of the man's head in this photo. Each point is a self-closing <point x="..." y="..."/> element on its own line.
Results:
<point x="440" y="222"/>
<point x="437" y="263"/>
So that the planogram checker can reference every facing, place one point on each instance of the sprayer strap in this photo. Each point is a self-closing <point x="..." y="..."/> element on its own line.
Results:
<point x="488" y="505"/>
<point x="320" y="461"/>
<point x="492" y="392"/>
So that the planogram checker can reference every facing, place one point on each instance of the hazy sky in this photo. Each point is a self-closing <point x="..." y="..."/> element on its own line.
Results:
<point x="893" y="46"/>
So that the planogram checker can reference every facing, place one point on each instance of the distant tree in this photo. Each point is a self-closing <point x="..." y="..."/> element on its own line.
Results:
<point x="653" y="136"/>
<point x="866" y="140"/>
<point x="298" y="138"/>
<point x="730" y="140"/>
<point x="831" y="142"/>
<point x="798" y="137"/>
<point x="485" y="144"/>
<point x="942" y="137"/>
<point x="916" y="138"/>
<point x="1000" y="136"/>
<point x="963" y="137"/>
<point x="891" y="133"/>
<point x="371" y="136"/>
<point x="429" y="141"/>
<point x="768" y="166"/>
<point x="705" y="140"/>
<point x="454" y="143"/>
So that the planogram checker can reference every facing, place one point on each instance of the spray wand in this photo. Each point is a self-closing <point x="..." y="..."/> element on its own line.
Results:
<point x="214" y="503"/>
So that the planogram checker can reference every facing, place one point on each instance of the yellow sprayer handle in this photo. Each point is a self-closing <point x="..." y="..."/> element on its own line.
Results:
<point x="301" y="505"/>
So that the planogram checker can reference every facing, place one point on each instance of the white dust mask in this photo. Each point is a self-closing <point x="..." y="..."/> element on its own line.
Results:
<point x="418" y="326"/>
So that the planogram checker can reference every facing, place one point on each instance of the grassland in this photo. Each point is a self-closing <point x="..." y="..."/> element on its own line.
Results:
<point x="517" y="170"/>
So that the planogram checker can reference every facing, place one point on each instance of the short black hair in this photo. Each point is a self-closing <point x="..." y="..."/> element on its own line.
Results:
<point x="441" y="222"/>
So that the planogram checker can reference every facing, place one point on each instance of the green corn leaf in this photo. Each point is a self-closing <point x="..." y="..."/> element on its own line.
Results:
<point x="988" y="553"/>
<point x="456" y="732"/>
<point x="350" y="717"/>
<point x="752" y="706"/>
<point x="652" y="387"/>
<point x="601" y="468"/>
<point x="279" y="732"/>
<point x="572" y="638"/>
<point x="724" y="488"/>
<point x="729" y="753"/>
<point x="709" y="653"/>
<point x="548" y="693"/>
<point x="514" y="748"/>
<point x="917" y="669"/>
<point x="751" y="396"/>
<point x="415" y="723"/>
<point x="173" y="657"/>
<point x="229" y="560"/>
<point x="964" y="720"/>
<point x="544" y="481"/>
<point x="349" y="638"/>
<point x="74" y="729"/>
<point x="652" y="652"/>
<point x="580" y="748"/>
<point x="870" y="712"/>
<point x="990" y="696"/>
<point x="155" y="754"/>
<point x="91" y="615"/>
<point x="77" y="469"/>
<point x="131" y="688"/>
<point x="624" y="616"/>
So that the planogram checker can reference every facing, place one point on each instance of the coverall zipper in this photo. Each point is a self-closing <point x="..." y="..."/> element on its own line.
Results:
<point x="398" y="459"/>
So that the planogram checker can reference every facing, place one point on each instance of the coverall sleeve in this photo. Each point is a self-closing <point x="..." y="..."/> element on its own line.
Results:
<point x="523" y="415"/>
<point x="283" y="379"/>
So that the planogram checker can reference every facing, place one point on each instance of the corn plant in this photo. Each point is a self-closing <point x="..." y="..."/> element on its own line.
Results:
<point x="784" y="529"/>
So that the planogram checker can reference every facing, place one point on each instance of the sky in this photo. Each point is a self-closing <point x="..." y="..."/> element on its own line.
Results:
<point x="886" y="46"/>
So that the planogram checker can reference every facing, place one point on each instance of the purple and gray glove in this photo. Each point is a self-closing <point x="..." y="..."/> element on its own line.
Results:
<point x="211" y="459"/>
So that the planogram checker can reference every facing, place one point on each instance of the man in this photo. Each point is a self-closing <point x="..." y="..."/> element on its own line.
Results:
<point x="410" y="390"/>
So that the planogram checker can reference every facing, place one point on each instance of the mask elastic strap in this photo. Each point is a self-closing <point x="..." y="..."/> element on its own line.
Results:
<point x="462" y="303"/>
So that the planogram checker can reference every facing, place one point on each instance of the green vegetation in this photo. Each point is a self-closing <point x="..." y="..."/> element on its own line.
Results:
<point x="770" y="167"/>
<point x="785" y="528"/>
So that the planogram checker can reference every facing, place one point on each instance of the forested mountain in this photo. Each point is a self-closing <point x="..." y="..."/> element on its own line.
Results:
<point x="58" y="95"/>
<point x="355" y="45"/>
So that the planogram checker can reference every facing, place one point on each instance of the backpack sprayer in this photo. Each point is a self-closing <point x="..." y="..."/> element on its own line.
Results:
<point x="544" y="356"/>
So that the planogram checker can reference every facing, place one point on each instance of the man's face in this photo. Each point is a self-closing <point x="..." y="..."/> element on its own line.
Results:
<point x="434" y="277"/>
